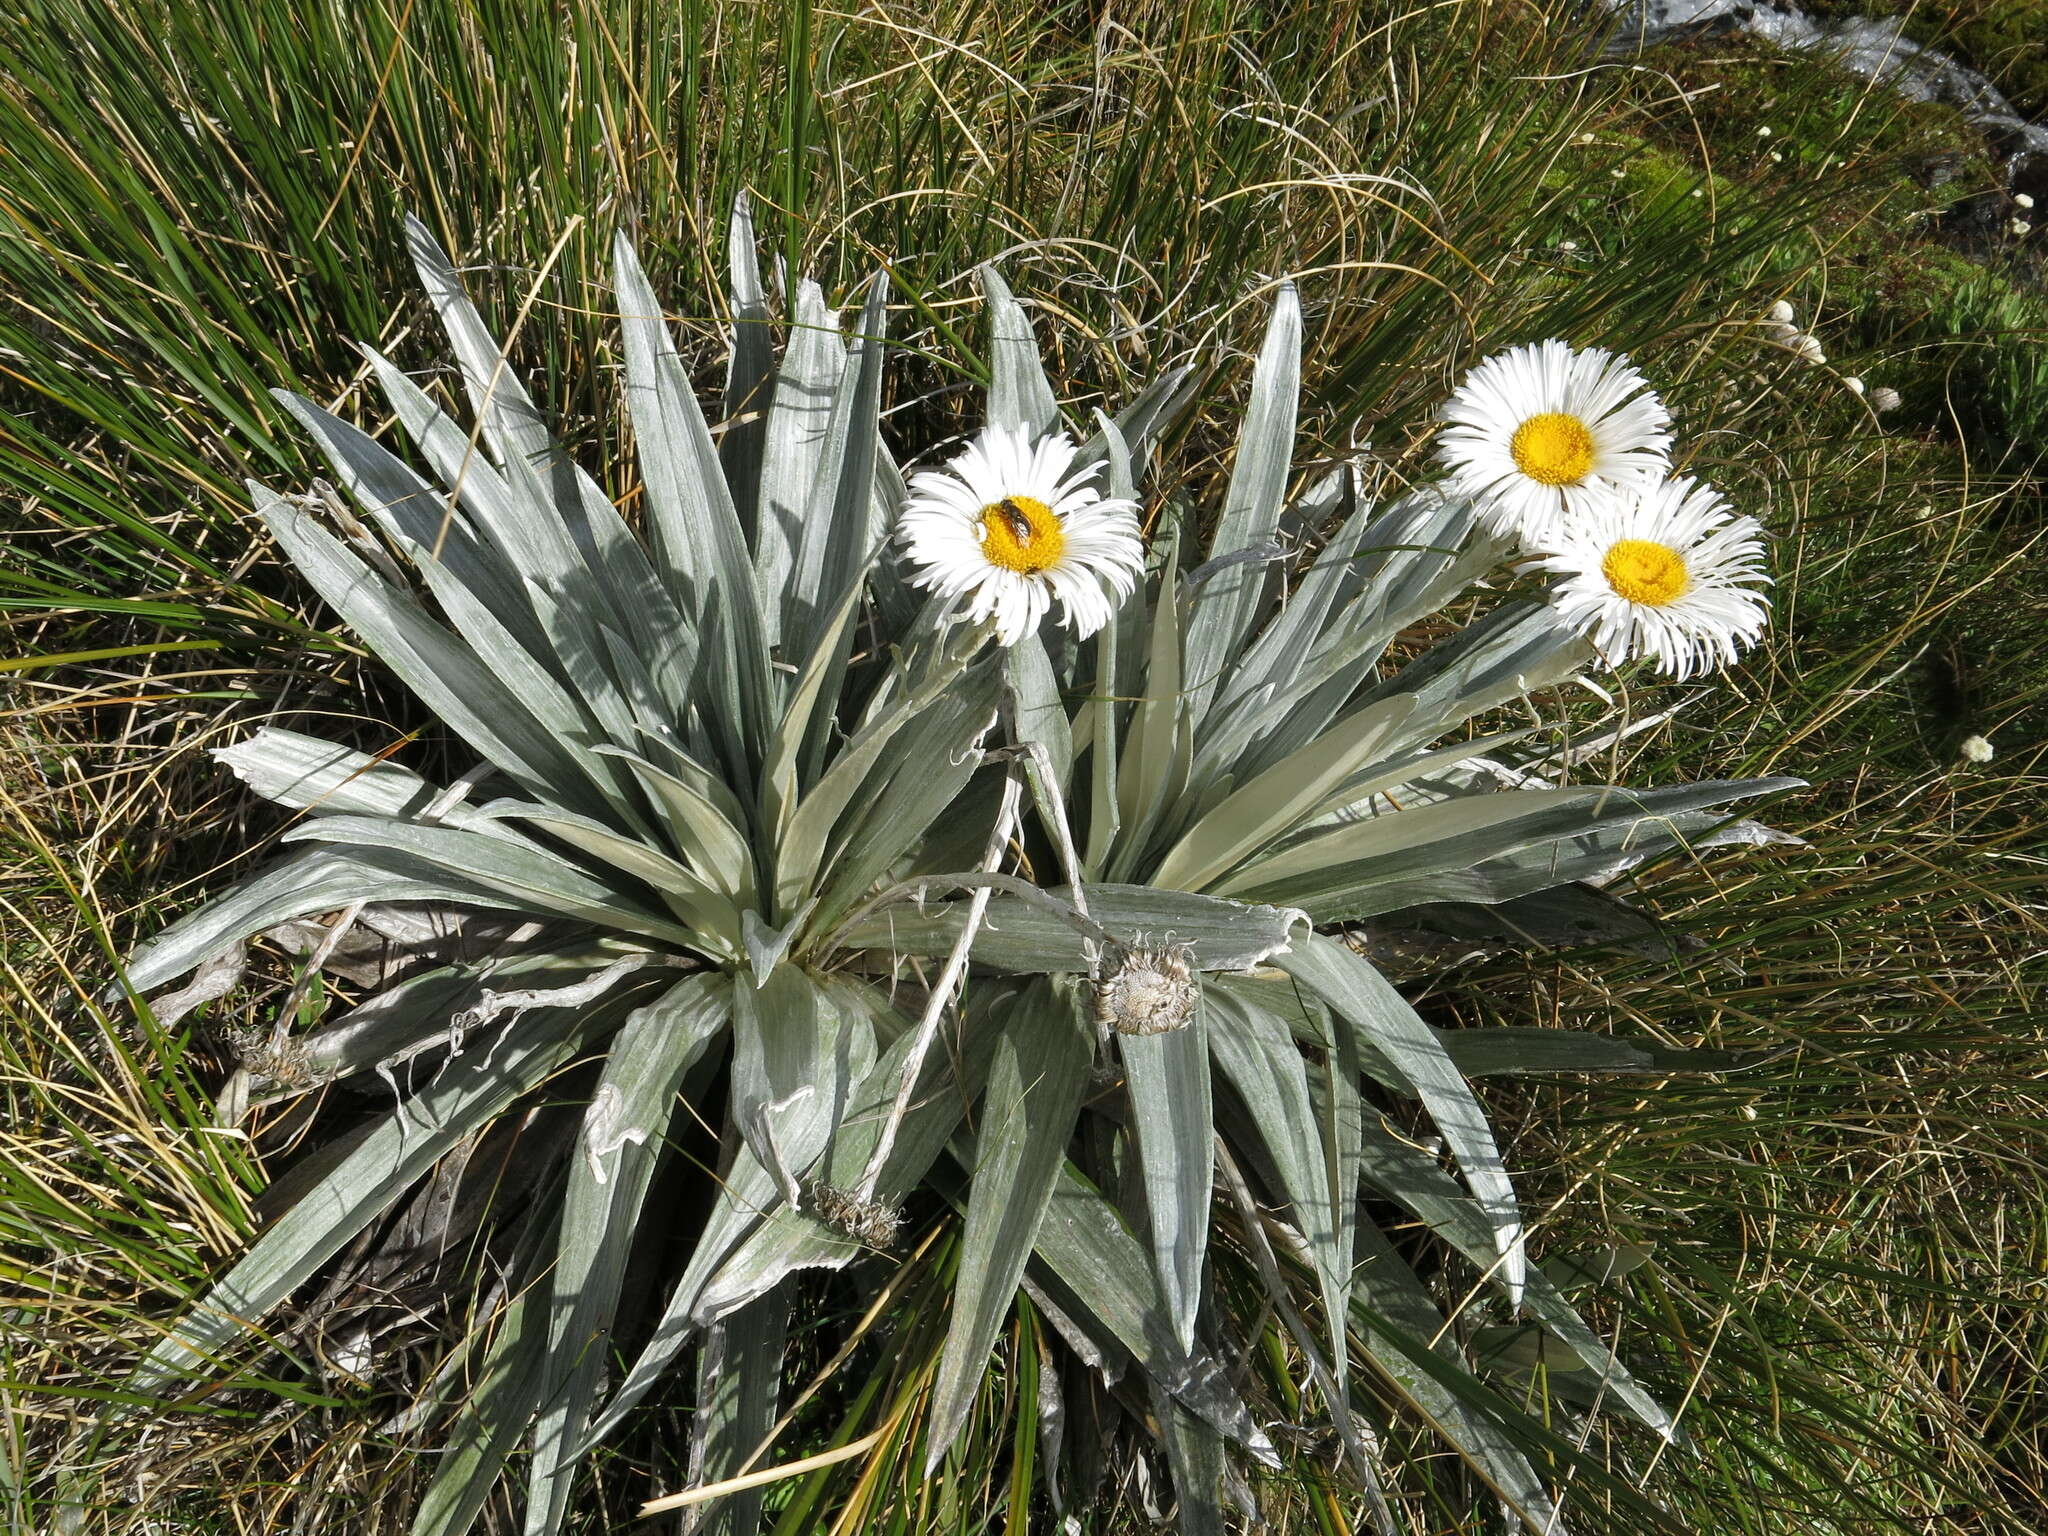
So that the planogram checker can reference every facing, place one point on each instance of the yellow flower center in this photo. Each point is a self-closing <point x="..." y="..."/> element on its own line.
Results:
<point x="1644" y="571"/>
<point x="1022" y="535"/>
<point x="1554" y="448"/>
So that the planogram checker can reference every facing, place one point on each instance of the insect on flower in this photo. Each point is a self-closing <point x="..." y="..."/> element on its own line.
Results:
<point x="1009" y="524"/>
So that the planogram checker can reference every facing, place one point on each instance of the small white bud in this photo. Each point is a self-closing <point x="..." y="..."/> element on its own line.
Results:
<point x="1567" y="246"/>
<point x="1764" y="132"/>
<point x="2022" y="200"/>
<point x="1617" y="173"/>
<point x="1699" y="192"/>
<point x="1586" y="138"/>
<point x="1775" y="156"/>
<point x="1853" y="384"/>
<point x="1883" y="399"/>
<point x="1782" y="313"/>
<point x="1810" y="350"/>
<point x="2020" y="227"/>
<point x="1976" y="749"/>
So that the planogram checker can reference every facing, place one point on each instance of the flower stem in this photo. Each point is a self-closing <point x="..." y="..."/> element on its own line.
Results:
<point x="942" y="990"/>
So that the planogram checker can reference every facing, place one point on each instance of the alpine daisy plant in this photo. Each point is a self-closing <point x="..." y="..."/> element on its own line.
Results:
<point x="941" y="915"/>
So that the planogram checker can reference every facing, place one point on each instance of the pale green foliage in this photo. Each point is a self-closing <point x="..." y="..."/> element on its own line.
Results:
<point x="726" y="764"/>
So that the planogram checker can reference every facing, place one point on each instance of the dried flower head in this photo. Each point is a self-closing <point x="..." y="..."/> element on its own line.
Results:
<point x="1147" y="989"/>
<point x="873" y="1223"/>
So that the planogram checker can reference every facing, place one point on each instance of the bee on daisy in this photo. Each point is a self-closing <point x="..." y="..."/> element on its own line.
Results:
<point x="1665" y="571"/>
<point x="1009" y="525"/>
<point x="1538" y="433"/>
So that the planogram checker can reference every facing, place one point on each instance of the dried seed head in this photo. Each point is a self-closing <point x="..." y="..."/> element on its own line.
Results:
<point x="874" y="1223"/>
<point x="1977" y="749"/>
<point x="284" y="1063"/>
<point x="1147" y="989"/>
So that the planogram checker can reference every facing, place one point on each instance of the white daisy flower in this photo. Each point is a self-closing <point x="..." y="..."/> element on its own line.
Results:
<point x="1666" y="571"/>
<point x="1535" y="432"/>
<point x="1006" y="527"/>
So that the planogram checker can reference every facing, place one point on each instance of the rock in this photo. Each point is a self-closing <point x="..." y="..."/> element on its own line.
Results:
<point x="1874" y="47"/>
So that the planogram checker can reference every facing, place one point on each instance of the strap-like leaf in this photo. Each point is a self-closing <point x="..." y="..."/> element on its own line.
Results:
<point x="422" y="1013"/>
<point x="1258" y="1055"/>
<point x="750" y="374"/>
<point x="1399" y="1324"/>
<point x="690" y="511"/>
<point x="1195" y="1460"/>
<point x="708" y="911"/>
<point x="1360" y="997"/>
<point x="799" y="417"/>
<point x="1167" y="1077"/>
<point x="306" y="773"/>
<point x="1041" y="713"/>
<point x="1102" y="1280"/>
<point x="415" y="515"/>
<point x="473" y="1087"/>
<point x="739" y="1373"/>
<point x="1424" y="849"/>
<point x="814" y="694"/>
<point x="1151" y="413"/>
<point x="753" y="1240"/>
<point x="1034" y="1092"/>
<point x="705" y="819"/>
<point x="461" y="689"/>
<point x="1019" y="394"/>
<point x="1225" y="606"/>
<point x="608" y="1177"/>
<point x="610" y="573"/>
<point x="525" y="532"/>
<point x="1257" y="814"/>
<point x="901" y="797"/>
<point x="1025" y="936"/>
<point x="496" y="1408"/>
<point x="524" y="876"/>
<point x="1145" y="777"/>
<point x="745" y="1197"/>
<point x="320" y="880"/>
<point x="1411" y="1176"/>
<point x="796" y="1055"/>
<point x="1411" y="561"/>
<point x="835" y="536"/>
